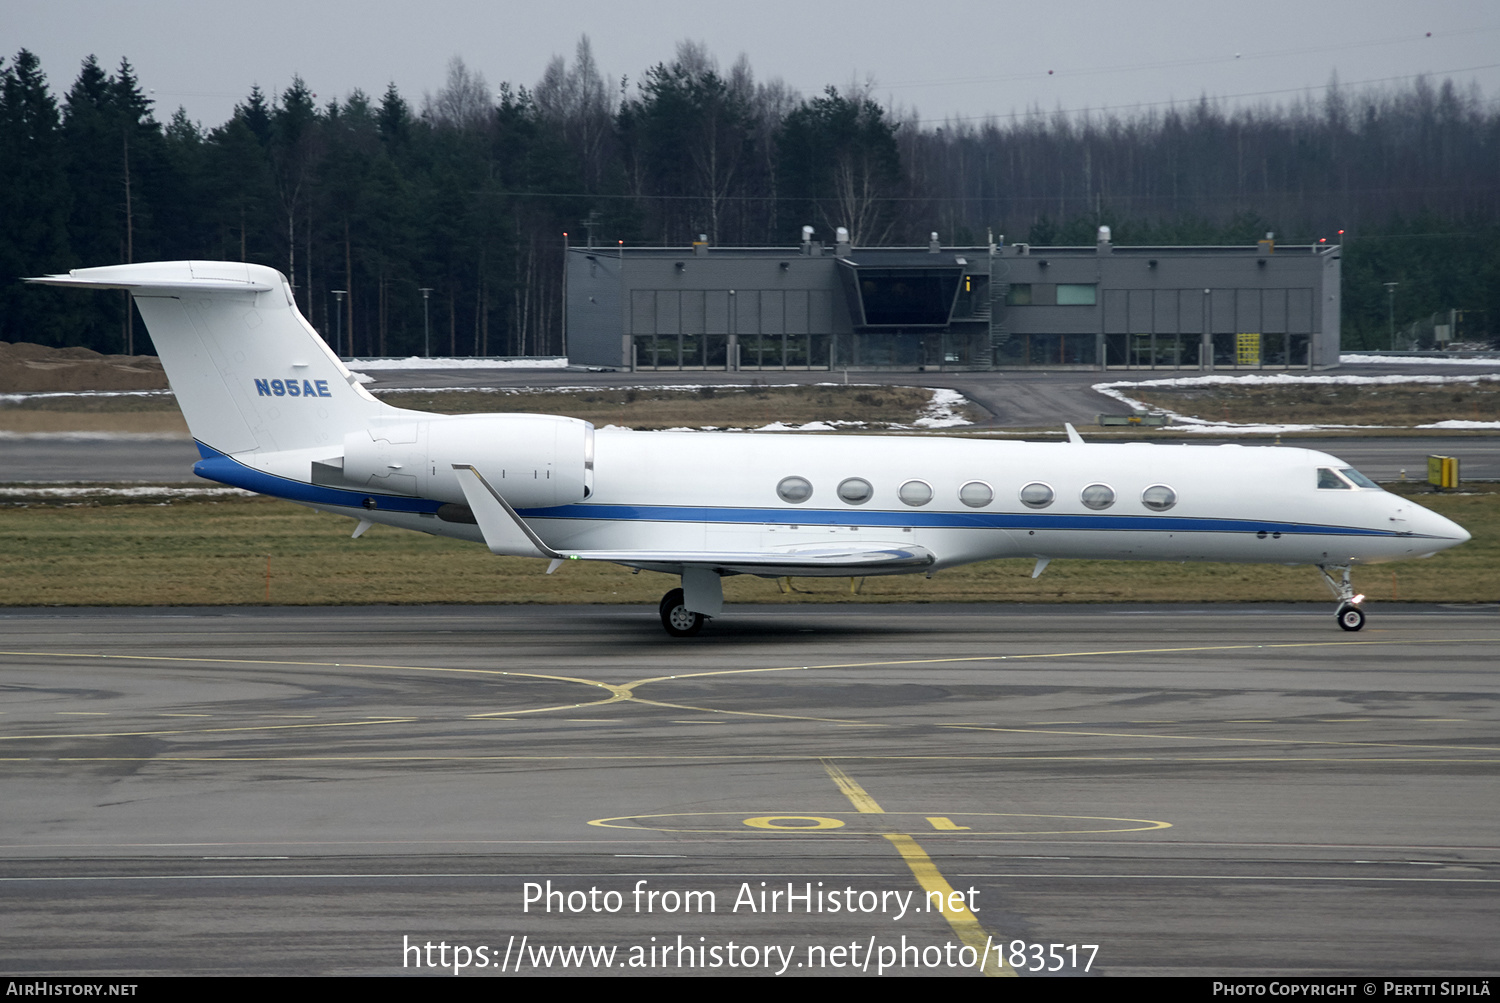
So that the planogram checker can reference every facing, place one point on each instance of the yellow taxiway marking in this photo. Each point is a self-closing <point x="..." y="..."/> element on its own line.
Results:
<point x="1148" y="736"/>
<point x="992" y="823"/>
<point x="202" y="731"/>
<point x="744" y="758"/>
<point x="960" y="919"/>
<point x="793" y="822"/>
<point x="625" y="692"/>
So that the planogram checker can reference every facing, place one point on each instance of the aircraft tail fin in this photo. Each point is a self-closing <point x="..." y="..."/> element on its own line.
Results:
<point x="249" y="372"/>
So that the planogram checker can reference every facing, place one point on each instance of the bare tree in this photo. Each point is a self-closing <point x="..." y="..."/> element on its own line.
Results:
<point x="464" y="102"/>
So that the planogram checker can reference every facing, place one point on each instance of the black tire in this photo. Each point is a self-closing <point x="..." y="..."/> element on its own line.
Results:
<point x="677" y="619"/>
<point x="1351" y="617"/>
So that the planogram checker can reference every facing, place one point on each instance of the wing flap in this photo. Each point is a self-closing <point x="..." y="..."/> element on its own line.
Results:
<point x="507" y="533"/>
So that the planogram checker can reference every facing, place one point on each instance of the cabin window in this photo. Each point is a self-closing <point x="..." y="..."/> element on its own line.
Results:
<point x="856" y="490"/>
<point x="1327" y="479"/>
<point x="1158" y="497"/>
<point x="976" y="494"/>
<point x="1097" y="496"/>
<point x="1037" y="495"/>
<point x="795" y="490"/>
<point x="915" y="493"/>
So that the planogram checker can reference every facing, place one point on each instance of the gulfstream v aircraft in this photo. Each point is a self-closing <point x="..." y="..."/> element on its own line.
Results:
<point x="274" y="411"/>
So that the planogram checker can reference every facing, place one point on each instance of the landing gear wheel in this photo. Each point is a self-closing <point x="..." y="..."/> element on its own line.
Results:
<point x="678" y="620"/>
<point x="1351" y="617"/>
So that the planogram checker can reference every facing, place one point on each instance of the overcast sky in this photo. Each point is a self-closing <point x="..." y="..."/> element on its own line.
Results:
<point x="958" y="58"/>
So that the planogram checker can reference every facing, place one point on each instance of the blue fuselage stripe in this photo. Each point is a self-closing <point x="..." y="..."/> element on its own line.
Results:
<point x="216" y="466"/>
<point x="937" y="520"/>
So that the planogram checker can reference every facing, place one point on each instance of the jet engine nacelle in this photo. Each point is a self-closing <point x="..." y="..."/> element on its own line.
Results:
<point x="533" y="460"/>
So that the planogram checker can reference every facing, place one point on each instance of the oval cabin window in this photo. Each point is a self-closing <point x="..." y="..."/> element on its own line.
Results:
<point x="794" y="489"/>
<point x="1097" y="496"/>
<point x="1037" y="495"/>
<point x="1158" y="497"/>
<point x="915" y="493"/>
<point x="976" y="494"/>
<point x="856" y="490"/>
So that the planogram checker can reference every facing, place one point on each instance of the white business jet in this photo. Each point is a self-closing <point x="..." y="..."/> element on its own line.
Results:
<point x="274" y="411"/>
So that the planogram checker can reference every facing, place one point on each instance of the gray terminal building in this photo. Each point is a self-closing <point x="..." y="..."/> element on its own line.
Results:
<point x="1015" y="306"/>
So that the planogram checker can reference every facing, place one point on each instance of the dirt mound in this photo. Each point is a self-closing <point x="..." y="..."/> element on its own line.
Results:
<point x="29" y="368"/>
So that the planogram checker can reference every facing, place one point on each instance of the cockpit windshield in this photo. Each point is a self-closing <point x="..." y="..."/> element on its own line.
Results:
<point x="1343" y="479"/>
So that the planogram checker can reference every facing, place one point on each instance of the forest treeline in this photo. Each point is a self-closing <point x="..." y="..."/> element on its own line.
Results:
<point x="468" y="193"/>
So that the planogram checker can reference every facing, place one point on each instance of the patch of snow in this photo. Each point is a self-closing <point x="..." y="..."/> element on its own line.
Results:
<point x="98" y="436"/>
<point x="940" y="412"/>
<point x="1223" y="428"/>
<point x="136" y="492"/>
<point x="1185" y="423"/>
<point x="1415" y="360"/>
<point x="1462" y="423"/>
<point x="418" y="362"/>
<point x="21" y="398"/>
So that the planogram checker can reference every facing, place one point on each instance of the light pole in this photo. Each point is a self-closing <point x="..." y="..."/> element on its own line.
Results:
<point x="1390" y="289"/>
<point x="338" y="294"/>
<point x="426" y="325"/>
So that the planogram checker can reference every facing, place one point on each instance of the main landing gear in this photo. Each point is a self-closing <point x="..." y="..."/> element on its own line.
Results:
<point x="677" y="618"/>
<point x="700" y="598"/>
<point x="1349" y="615"/>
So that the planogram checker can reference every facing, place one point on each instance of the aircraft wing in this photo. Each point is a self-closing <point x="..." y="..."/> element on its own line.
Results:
<point x="507" y="533"/>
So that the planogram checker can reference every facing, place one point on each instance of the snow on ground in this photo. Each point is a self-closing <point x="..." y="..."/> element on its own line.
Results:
<point x="418" y="362"/>
<point x="38" y="395"/>
<point x="1186" y="423"/>
<point x="812" y="426"/>
<point x="940" y="413"/>
<point x="148" y="491"/>
<point x="1376" y="360"/>
<point x="95" y="436"/>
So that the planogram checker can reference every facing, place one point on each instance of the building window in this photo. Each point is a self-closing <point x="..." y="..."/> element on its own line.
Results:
<point x="1075" y="294"/>
<point x="1019" y="294"/>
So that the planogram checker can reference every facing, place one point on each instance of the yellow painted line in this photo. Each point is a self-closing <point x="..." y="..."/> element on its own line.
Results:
<point x="625" y="692"/>
<point x="963" y="923"/>
<point x="757" y="713"/>
<point x="205" y="731"/>
<point x="1060" y="654"/>
<point x="850" y="788"/>
<point x="1146" y="736"/>
<point x="617" y="692"/>
<point x="879" y="824"/>
<point x="743" y="758"/>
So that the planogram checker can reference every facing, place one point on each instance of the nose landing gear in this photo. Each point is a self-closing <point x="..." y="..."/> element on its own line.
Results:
<point x="1350" y="617"/>
<point x="1349" y="614"/>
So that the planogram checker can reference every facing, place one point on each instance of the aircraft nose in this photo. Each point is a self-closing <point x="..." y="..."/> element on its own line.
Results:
<point x="1440" y="529"/>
